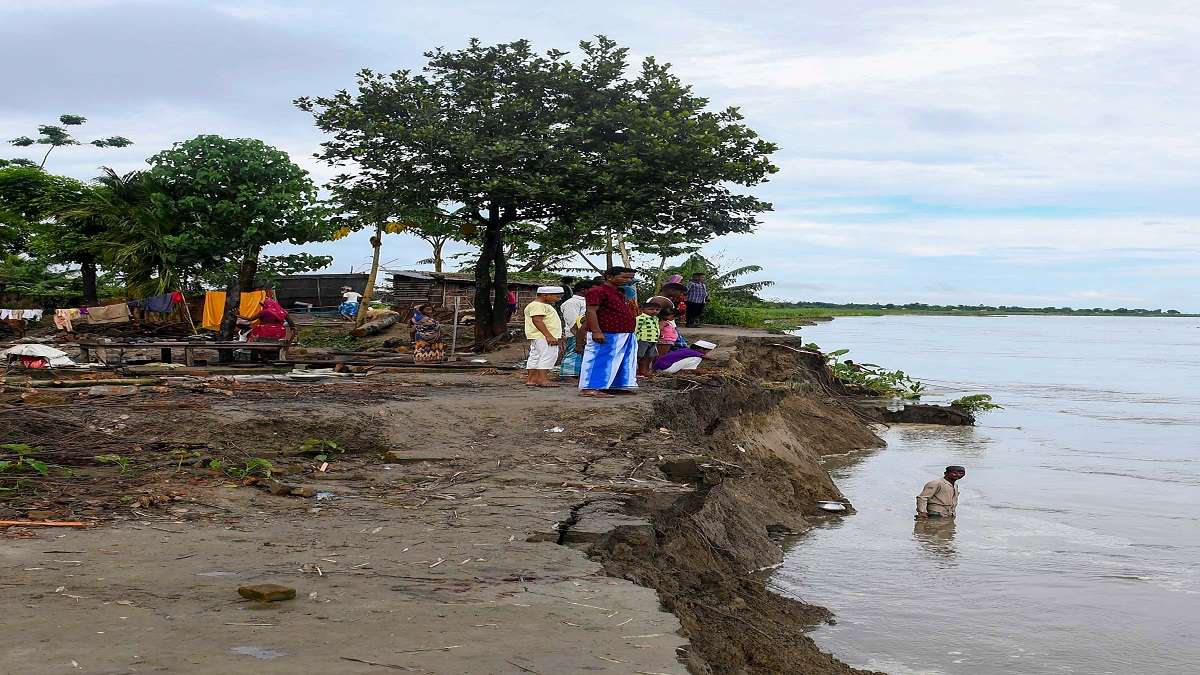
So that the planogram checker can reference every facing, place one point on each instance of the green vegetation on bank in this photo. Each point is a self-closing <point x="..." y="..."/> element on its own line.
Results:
<point x="785" y="316"/>
<point x="877" y="309"/>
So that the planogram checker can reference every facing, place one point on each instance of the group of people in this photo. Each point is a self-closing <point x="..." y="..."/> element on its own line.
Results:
<point x="606" y="338"/>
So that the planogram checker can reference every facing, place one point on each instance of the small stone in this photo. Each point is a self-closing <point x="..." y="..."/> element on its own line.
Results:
<point x="267" y="592"/>
<point x="277" y="488"/>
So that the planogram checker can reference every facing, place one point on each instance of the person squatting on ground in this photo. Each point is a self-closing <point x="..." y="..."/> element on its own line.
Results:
<point x="350" y="299"/>
<point x="684" y="359"/>
<point x="697" y="298"/>
<point x="544" y="330"/>
<point x="573" y="310"/>
<point x="610" y="357"/>
<point x="939" y="499"/>
<point x="647" y="331"/>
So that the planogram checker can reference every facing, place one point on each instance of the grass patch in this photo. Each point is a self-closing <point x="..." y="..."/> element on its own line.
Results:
<point x="323" y="336"/>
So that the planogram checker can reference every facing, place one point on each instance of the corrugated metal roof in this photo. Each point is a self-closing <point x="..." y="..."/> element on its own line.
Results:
<point x="407" y="274"/>
<point x="450" y="276"/>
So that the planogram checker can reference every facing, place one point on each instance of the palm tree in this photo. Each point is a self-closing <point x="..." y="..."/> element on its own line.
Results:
<point x="722" y="283"/>
<point x="126" y="235"/>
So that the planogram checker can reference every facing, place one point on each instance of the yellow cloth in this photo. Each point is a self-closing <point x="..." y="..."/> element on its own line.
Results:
<point x="548" y="314"/>
<point x="214" y="306"/>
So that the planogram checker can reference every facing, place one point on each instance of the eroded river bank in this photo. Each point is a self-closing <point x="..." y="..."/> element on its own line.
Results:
<point x="454" y="530"/>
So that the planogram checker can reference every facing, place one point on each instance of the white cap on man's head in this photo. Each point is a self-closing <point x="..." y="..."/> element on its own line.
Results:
<point x="549" y="290"/>
<point x="704" y="344"/>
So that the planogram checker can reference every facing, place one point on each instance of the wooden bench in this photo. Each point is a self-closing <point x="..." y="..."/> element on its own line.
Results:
<point x="100" y="350"/>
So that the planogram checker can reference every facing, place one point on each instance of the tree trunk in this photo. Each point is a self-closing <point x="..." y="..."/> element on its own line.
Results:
<point x="87" y="275"/>
<point x="377" y="325"/>
<point x="376" y="244"/>
<point x="626" y="256"/>
<point x="658" y="278"/>
<point x="485" y="311"/>
<point x="249" y="270"/>
<point x="500" y="288"/>
<point x="233" y="295"/>
<point x="437" y="255"/>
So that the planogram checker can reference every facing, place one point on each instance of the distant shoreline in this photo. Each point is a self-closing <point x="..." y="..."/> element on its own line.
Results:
<point x="768" y="316"/>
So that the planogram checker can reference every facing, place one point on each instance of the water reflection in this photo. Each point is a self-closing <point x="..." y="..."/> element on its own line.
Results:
<point x="936" y="537"/>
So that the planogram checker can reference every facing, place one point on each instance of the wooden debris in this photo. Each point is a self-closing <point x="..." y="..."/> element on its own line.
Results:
<point x="43" y="523"/>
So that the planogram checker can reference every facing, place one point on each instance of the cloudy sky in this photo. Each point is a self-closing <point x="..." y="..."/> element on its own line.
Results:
<point x="1034" y="153"/>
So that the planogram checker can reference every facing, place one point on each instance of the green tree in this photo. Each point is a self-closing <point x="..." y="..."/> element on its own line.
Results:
<point x="29" y="277"/>
<point x="231" y="197"/>
<point x="536" y="146"/>
<point x="59" y="136"/>
<point x="33" y="206"/>
<point x="435" y="227"/>
<point x="23" y="203"/>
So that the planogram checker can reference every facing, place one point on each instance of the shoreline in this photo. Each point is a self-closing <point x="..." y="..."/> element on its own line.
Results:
<point x="469" y="546"/>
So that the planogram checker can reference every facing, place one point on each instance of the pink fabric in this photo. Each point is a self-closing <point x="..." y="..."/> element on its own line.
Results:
<point x="668" y="335"/>
<point x="270" y="324"/>
<point x="268" y="331"/>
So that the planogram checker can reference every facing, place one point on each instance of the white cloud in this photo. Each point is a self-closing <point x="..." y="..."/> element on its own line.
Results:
<point x="972" y="109"/>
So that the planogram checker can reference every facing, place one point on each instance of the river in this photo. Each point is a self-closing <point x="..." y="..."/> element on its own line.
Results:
<point x="1077" y="540"/>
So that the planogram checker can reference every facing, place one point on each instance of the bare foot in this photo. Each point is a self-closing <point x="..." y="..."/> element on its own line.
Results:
<point x="595" y="393"/>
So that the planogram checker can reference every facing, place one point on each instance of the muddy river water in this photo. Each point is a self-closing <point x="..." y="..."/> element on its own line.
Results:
<point x="1077" y="544"/>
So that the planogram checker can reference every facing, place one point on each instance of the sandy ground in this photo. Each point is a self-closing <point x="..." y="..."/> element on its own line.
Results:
<point x="441" y="557"/>
<point x="424" y="564"/>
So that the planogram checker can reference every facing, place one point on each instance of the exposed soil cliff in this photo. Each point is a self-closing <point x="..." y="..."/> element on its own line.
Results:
<point x="754" y="440"/>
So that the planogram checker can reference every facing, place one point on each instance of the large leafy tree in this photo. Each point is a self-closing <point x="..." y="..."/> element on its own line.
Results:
<point x="536" y="146"/>
<point x="56" y="136"/>
<point x="33" y="207"/>
<point x="62" y="221"/>
<point x="29" y="277"/>
<point x="230" y="197"/>
<point x="24" y="201"/>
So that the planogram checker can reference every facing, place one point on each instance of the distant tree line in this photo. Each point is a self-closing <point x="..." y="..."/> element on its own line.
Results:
<point x="1006" y="309"/>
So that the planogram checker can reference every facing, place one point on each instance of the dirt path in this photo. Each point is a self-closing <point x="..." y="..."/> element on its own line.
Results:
<point x="442" y="557"/>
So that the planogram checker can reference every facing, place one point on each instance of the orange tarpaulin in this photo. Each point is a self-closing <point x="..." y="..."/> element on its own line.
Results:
<point x="214" y="306"/>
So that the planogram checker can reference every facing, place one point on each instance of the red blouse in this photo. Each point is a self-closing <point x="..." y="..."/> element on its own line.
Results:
<point x="611" y="311"/>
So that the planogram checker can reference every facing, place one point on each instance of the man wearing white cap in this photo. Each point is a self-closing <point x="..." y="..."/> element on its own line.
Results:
<point x="684" y="359"/>
<point x="543" y="329"/>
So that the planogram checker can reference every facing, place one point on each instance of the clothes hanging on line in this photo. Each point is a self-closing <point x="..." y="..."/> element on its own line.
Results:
<point x="64" y="319"/>
<point x="106" y="314"/>
<point x="163" y="304"/>
<point x="214" y="306"/>
<point x="26" y="314"/>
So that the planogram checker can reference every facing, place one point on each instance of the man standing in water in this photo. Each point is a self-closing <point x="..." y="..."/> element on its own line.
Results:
<point x="939" y="499"/>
